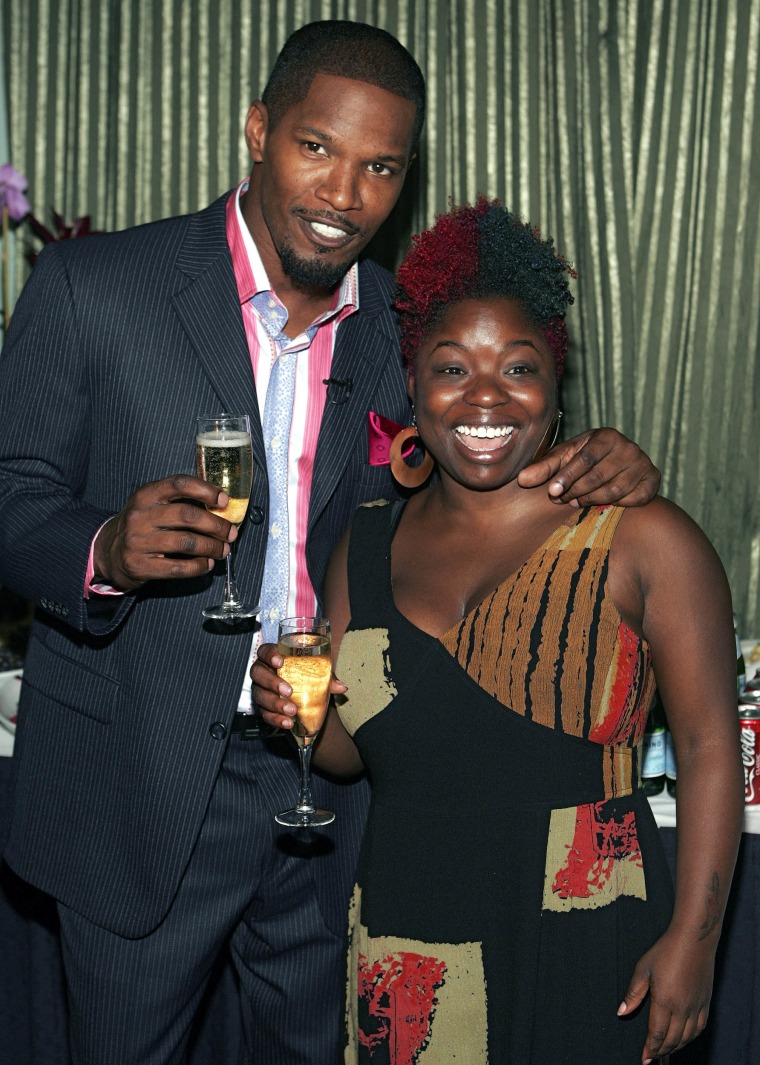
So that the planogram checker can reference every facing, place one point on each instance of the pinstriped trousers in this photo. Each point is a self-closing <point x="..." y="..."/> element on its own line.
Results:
<point x="133" y="1001"/>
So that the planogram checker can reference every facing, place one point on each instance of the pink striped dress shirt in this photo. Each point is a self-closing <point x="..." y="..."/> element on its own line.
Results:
<point x="313" y="350"/>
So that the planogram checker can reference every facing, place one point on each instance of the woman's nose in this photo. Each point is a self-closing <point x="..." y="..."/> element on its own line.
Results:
<point x="487" y="390"/>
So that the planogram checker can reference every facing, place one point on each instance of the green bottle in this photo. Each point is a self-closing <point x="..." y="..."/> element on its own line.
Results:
<point x="653" y="750"/>
<point x="741" y="669"/>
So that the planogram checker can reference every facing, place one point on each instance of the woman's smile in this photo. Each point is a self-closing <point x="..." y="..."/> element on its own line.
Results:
<point x="484" y="437"/>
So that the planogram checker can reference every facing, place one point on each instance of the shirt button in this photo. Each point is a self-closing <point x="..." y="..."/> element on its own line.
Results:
<point x="256" y="515"/>
<point x="218" y="730"/>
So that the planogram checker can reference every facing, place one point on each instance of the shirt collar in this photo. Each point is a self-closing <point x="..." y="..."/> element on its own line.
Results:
<point x="251" y="277"/>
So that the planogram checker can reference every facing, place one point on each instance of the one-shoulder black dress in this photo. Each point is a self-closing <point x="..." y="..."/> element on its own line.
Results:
<point x="511" y="871"/>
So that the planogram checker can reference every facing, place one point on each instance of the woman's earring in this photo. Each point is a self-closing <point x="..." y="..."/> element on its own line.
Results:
<point x="556" y="431"/>
<point x="406" y="475"/>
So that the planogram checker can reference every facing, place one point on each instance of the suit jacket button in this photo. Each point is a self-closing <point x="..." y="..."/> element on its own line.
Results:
<point x="256" y="515"/>
<point x="218" y="730"/>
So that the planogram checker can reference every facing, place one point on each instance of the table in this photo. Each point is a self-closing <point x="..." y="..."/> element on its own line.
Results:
<point x="32" y="996"/>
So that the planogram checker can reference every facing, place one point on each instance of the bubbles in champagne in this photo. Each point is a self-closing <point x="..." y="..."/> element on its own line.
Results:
<point x="224" y="458"/>
<point x="307" y="668"/>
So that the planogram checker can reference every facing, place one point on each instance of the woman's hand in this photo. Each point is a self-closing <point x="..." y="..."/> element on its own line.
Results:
<point x="678" y="973"/>
<point x="271" y="694"/>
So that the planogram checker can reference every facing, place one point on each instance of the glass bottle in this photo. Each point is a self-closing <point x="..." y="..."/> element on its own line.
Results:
<point x="653" y="750"/>
<point x="741" y="669"/>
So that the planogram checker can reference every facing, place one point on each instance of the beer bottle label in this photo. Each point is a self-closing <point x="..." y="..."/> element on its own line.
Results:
<point x="653" y="761"/>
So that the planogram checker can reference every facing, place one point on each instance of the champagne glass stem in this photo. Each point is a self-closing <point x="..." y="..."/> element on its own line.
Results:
<point x="305" y="802"/>
<point x="230" y="591"/>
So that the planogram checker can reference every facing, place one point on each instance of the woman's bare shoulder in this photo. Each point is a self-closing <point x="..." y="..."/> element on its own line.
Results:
<point x="660" y="541"/>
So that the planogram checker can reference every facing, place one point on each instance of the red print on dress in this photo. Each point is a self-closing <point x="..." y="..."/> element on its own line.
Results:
<point x="397" y="1006"/>
<point x="599" y="841"/>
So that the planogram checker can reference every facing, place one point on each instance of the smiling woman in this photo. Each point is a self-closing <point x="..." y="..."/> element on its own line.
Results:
<point x="499" y="653"/>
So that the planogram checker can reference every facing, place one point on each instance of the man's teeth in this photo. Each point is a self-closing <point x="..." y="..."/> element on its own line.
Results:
<point x="484" y="432"/>
<point x="327" y="231"/>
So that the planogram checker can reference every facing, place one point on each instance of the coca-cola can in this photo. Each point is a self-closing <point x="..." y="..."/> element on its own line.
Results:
<point x="749" y="724"/>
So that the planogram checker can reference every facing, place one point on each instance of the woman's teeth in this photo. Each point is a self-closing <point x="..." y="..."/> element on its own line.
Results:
<point x="485" y="432"/>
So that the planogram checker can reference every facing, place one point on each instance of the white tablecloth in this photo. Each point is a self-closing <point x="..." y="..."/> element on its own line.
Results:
<point x="664" y="810"/>
<point x="6" y="737"/>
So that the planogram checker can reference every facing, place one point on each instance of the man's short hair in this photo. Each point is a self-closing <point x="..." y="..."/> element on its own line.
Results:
<point x="348" y="50"/>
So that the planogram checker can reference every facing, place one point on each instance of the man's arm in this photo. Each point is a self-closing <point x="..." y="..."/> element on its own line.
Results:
<point x="595" y="468"/>
<point x="50" y="450"/>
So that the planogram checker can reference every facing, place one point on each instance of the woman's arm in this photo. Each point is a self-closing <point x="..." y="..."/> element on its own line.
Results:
<point x="334" y="750"/>
<point x="669" y="585"/>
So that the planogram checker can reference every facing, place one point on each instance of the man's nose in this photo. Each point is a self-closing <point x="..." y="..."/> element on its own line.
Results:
<point x="340" y="188"/>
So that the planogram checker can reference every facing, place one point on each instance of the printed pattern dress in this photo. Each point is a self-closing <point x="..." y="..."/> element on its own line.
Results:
<point x="511" y="872"/>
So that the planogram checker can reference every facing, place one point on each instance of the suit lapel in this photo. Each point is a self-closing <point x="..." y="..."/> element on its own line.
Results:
<point x="365" y="344"/>
<point x="208" y="308"/>
<point x="207" y="305"/>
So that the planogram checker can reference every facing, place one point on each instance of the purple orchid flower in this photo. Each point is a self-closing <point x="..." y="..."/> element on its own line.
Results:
<point x="12" y="186"/>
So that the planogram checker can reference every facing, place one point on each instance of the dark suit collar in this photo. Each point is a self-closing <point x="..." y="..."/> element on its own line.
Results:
<point x="366" y="344"/>
<point x="206" y="239"/>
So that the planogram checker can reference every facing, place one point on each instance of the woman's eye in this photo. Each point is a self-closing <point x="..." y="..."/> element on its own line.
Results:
<point x="380" y="168"/>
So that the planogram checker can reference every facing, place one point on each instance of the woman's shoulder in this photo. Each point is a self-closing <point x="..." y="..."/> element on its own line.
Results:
<point x="661" y="534"/>
<point x="658" y="517"/>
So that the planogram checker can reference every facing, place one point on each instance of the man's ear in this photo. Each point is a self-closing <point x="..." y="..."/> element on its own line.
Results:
<point x="256" y="126"/>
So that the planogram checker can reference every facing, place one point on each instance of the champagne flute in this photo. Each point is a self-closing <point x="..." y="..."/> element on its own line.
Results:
<point x="224" y="458"/>
<point x="304" y="644"/>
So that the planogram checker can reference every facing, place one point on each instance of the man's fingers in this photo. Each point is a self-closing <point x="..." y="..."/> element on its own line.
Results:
<point x="614" y="492"/>
<point x="177" y="487"/>
<point x="595" y="469"/>
<point x="164" y="532"/>
<point x="550" y="464"/>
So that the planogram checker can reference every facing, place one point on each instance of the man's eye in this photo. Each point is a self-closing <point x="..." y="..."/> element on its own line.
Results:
<point x="314" y="146"/>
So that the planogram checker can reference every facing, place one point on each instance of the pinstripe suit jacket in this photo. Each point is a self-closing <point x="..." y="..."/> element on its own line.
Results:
<point x="117" y="343"/>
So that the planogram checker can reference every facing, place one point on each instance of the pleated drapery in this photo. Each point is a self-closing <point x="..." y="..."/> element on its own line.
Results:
<point x="627" y="129"/>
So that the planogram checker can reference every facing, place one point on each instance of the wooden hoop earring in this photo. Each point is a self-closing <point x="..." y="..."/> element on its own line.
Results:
<point x="406" y="475"/>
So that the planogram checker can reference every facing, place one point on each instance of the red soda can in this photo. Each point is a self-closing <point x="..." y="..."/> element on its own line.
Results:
<point x="749" y="724"/>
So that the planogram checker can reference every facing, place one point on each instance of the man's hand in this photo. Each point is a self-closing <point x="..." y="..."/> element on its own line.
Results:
<point x="271" y="695"/>
<point x="164" y="533"/>
<point x="597" y="467"/>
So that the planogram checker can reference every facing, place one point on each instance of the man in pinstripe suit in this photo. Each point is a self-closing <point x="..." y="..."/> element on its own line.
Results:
<point x="144" y="798"/>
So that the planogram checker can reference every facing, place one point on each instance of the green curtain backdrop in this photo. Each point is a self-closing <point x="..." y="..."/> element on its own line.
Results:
<point x="628" y="129"/>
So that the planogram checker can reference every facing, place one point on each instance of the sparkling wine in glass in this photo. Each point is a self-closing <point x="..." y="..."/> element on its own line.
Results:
<point x="304" y="644"/>
<point x="224" y="458"/>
